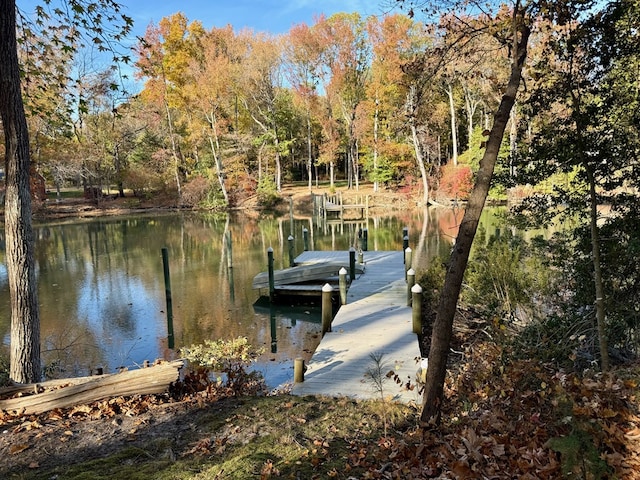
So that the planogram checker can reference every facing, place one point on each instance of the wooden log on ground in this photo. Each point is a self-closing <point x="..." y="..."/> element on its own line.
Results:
<point x="143" y="381"/>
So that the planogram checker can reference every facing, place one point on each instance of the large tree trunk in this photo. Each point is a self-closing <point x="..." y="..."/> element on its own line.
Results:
<point x="443" y="325"/>
<point x="25" y="316"/>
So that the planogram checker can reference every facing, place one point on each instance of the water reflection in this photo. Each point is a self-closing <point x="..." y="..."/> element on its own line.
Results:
<point x="102" y="294"/>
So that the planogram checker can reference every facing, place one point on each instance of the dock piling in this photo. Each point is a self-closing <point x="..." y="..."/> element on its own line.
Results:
<point x="365" y="239"/>
<point x="327" y="310"/>
<point x="298" y="370"/>
<point x="416" y="310"/>
<point x="167" y="291"/>
<point x="272" y="285"/>
<point x="408" y="260"/>
<point x="343" y="285"/>
<point x="411" y="280"/>
<point x="352" y="263"/>
<point x="291" y="253"/>
<point x="305" y="238"/>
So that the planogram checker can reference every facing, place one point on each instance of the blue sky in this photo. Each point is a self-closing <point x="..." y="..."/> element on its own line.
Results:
<point x="274" y="16"/>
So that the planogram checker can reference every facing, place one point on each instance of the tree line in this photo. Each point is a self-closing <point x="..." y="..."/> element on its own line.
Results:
<point x="222" y="114"/>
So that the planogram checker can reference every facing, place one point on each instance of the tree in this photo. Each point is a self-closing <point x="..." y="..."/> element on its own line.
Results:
<point x="347" y="55"/>
<point x="513" y="28"/>
<point x="303" y="52"/>
<point x="395" y="39"/>
<point x="582" y="124"/>
<point x="25" y="315"/>
<point x="164" y="56"/>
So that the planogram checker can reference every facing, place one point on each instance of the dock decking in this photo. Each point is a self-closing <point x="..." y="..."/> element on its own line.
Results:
<point x="376" y="320"/>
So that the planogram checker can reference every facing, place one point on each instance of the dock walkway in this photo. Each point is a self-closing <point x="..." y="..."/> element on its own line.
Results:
<point x="376" y="320"/>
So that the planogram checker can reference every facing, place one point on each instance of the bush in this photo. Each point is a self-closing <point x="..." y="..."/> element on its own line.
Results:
<point x="228" y="357"/>
<point x="508" y="278"/>
<point x="267" y="192"/>
<point x="456" y="182"/>
<point x="202" y="192"/>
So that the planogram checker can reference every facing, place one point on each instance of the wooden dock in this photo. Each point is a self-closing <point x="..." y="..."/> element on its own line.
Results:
<point x="311" y="271"/>
<point x="375" y="321"/>
<point x="335" y="203"/>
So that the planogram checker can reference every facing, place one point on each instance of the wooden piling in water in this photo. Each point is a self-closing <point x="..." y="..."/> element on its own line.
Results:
<point x="167" y="291"/>
<point x="272" y="283"/>
<point x="352" y="263"/>
<point x="291" y="251"/>
<point x="305" y="238"/>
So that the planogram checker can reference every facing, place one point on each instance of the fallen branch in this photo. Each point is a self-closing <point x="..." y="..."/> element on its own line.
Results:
<point x="77" y="391"/>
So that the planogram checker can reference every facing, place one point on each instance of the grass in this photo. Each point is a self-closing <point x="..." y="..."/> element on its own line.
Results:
<point x="252" y="437"/>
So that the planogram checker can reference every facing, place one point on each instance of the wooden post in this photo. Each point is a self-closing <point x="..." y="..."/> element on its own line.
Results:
<point x="352" y="263"/>
<point x="274" y="330"/>
<point x="343" y="285"/>
<point x="167" y="291"/>
<point x="298" y="370"/>
<point x="408" y="260"/>
<point x="291" y="214"/>
<point x="291" y="254"/>
<point x="411" y="280"/>
<point x="305" y="238"/>
<point x="360" y="257"/>
<point x="365" y="239"/>
<point x="416" y="309"/>
<point x="327" y="311"/>
<point x="272" y="286"/>
<point x="405" y="238"/>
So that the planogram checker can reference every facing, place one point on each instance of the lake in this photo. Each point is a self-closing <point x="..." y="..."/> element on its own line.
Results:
<point x="102" y="293"/>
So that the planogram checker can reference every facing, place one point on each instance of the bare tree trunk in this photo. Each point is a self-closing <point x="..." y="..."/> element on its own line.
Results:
<point x="375" y="146"/>
<point x="309" y="151"/>
<point x="25" y="315"/>
<point x="411" y="107"/>
<point x="443" y="325"/>
<point x="454" y="128"/>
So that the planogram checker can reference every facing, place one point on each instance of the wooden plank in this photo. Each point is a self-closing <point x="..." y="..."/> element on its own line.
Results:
<point x="143" y="381"/>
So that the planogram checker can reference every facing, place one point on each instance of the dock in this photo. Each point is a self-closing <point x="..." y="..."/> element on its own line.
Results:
<point x="328" y="204"/>
<point x="310" y="272"/>
<point x="375" y="321"/>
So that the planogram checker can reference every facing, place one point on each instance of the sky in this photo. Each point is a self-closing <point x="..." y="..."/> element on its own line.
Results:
<point x="273" y="16"/>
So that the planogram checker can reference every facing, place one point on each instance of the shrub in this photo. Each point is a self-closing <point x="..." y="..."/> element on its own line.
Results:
<point x="228" y="357"/>
<point x="456" y="182"/>
<point x="267" y="192"/>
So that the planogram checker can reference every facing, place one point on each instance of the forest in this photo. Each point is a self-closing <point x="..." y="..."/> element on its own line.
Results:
<point x="532" y="103"/>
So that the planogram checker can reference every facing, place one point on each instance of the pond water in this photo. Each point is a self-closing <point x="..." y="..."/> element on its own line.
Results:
<point x="102" y="292"/>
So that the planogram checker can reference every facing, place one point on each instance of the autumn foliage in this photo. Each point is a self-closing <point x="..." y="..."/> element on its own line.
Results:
<point x="456" y="182"/>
